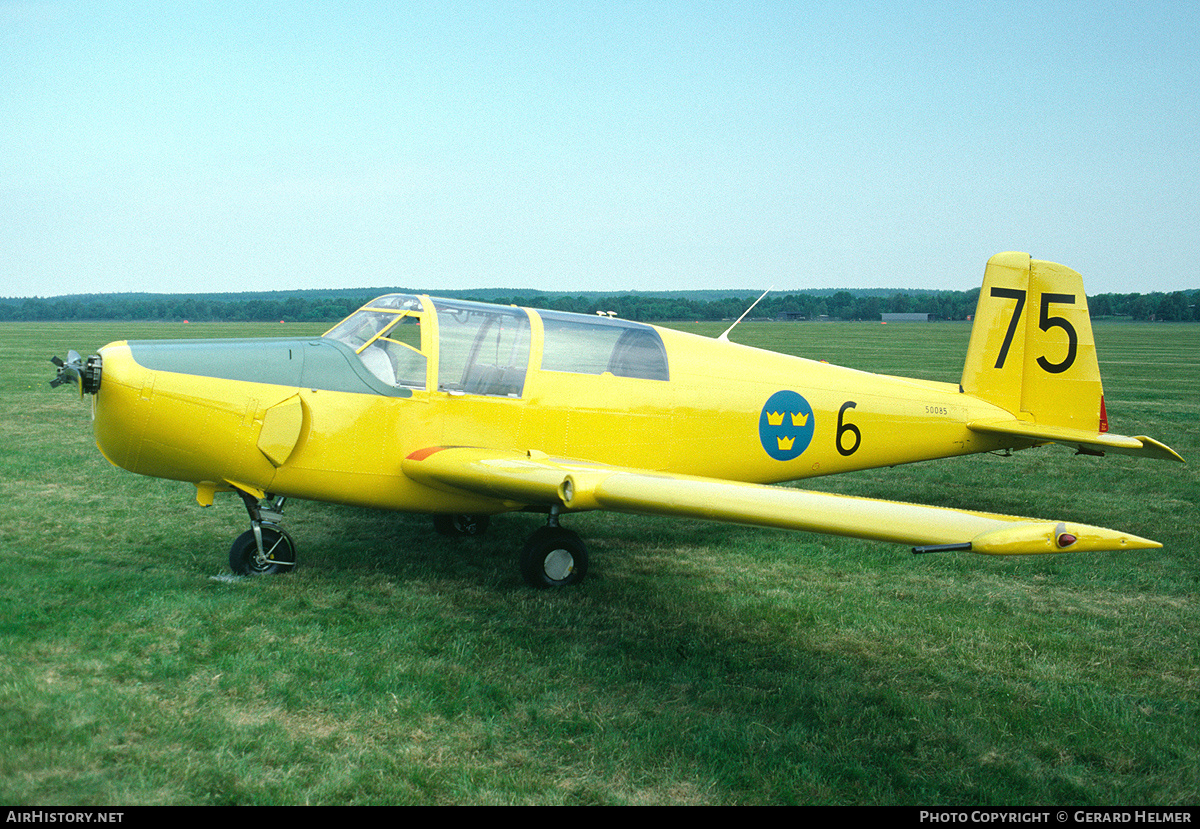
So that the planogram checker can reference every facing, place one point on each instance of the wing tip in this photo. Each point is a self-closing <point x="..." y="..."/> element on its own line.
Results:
<point x="1160" y="450"/>
<point x="1036" y="538"/>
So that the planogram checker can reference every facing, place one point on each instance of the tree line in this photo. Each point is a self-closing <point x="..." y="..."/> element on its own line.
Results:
<point x="322" y="306"/>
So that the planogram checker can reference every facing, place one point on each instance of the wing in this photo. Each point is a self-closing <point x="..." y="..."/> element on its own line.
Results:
<point x="534" y="479"/>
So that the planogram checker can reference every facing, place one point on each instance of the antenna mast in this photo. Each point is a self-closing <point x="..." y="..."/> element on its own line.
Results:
<point x="725" y="336"/>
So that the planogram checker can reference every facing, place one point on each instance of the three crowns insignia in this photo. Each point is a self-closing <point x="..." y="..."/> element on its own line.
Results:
<point x="776" y="419"/>
<point x="785" y="439"/>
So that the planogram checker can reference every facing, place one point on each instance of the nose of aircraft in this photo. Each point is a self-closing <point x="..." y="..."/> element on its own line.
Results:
<point x="115" y="406"/>
<point x="122" y="407"/>
<point x="180" y="422"/>
<point x="116" y="434"/>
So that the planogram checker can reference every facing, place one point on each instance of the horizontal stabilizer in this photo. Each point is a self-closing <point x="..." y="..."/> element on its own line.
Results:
<point x="1081" y="439"/>
<point x="536" y="480"/>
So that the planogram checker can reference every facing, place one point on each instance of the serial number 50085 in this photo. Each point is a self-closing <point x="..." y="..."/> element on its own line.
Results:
<point x="938" y="410"/>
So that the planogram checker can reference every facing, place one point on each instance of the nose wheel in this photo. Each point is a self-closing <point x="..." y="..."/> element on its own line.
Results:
<point x="264" y="549"/>
<point x="277" y="553"/>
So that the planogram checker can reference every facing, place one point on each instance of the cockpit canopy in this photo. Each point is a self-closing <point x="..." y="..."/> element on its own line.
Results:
<point x="385" y="334"/>
<point x="487" y="349"/>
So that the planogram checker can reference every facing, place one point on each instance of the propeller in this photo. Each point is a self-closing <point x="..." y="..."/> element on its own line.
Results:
<point x="85" y="376"/>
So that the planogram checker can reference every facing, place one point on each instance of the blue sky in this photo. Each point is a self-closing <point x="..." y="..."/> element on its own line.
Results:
<point x="195" y="146"/>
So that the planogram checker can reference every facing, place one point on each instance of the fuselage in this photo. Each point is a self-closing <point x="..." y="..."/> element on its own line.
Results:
<point x="320" y="419"/>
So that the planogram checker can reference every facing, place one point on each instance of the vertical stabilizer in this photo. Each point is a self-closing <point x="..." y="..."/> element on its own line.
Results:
<point x="1032" y="351"/>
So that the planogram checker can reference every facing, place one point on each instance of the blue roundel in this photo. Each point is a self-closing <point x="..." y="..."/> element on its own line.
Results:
<point x="785" y="425"/>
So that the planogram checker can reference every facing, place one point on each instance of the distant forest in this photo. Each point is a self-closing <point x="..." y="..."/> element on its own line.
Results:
<point x="330" y="305"/>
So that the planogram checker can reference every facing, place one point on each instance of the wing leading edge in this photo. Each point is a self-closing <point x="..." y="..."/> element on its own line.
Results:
<point x="517" y="480"/>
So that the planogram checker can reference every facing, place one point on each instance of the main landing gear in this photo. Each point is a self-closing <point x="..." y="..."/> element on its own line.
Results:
<point x="553" y="556"/>
<point x="264" y="548"/>
<point x="460" y="525"/>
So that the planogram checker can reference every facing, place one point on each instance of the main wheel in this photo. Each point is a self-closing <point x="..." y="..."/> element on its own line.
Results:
<point x="454" y="525"/>
<point x="554" y="557"/>
<point x="279" y="553"/>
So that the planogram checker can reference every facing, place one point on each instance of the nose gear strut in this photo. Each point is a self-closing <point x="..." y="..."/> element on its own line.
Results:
<point x="264" y="548"/>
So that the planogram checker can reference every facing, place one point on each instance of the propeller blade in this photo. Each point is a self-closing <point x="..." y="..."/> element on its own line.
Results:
<point x="70" y="371"/>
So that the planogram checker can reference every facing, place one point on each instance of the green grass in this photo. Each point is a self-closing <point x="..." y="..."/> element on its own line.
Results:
<point x="699" y="663"/>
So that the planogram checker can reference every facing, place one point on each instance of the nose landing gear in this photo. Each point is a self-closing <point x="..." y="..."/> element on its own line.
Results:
<point x="264" y="548"/>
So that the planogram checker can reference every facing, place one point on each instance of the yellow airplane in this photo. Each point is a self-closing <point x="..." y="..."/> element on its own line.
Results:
<point x="464" y="410"/>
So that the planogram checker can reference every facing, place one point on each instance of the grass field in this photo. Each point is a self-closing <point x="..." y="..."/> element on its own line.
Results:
<point x="699" y="664"/>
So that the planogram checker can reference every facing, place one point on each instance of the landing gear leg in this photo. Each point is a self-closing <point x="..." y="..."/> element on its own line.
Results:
<point x="264" y="548"/>
<point x="459" y="525"/>
<point x="553" y="556"/>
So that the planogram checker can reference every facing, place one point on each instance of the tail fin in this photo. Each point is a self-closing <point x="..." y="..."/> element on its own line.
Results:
<point x="1032" y="354"/>
<point x="1031" y="350"/>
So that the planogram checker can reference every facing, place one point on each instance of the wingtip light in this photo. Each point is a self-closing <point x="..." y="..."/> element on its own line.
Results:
<point x="1064" y="540"/>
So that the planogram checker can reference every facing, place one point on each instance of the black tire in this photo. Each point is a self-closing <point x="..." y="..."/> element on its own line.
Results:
<point x="553" y="557"/>
<point x="277" y="546"/>
<point x="459" y="525"/>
